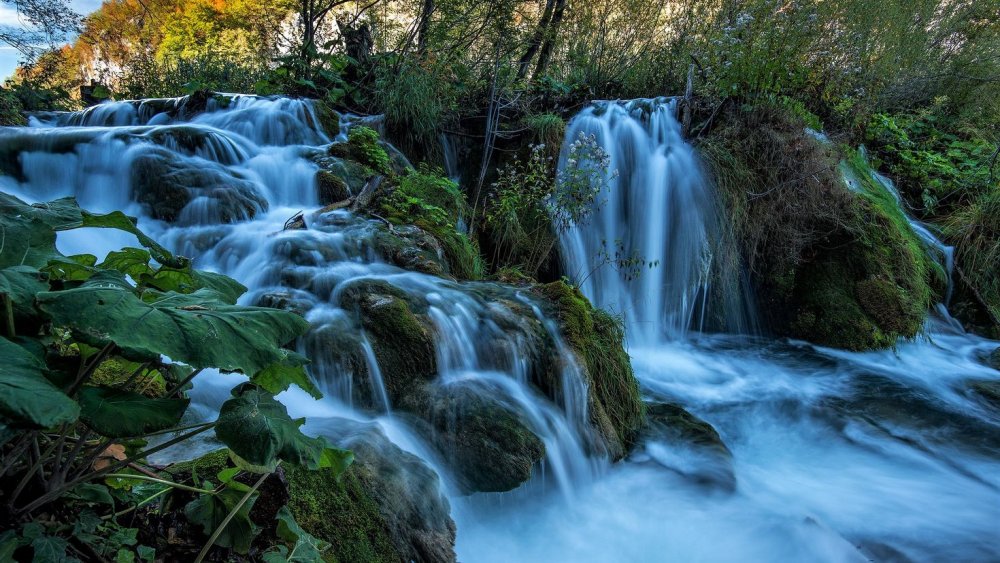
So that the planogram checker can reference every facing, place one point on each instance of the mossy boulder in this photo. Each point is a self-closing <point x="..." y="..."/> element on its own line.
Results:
<point x="328" y="118"/>
<point x="351" y="173"/>
<point x="331" y="188"/>
<point x="387" y="506"/>
<point x="363" y="146"/>
<point x="614" y="402"/>
<point x="425" y="199"/>
<point x="487" y="445"/>
<point x="831" y="256"/>
<point x="167" y="185"/>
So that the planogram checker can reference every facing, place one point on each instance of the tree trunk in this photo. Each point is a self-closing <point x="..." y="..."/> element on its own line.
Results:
<point x="425" y="23"/>
<point x="550" y="39"/>
<point x="536" y="40"/>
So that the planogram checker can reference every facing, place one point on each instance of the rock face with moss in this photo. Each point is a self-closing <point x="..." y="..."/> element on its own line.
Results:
<point x="831" y="256"/>
<point x="614" y="403"/>
<point x="387" y="506"/>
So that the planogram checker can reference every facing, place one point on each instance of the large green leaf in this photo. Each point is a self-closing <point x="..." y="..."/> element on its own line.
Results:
<point x="19" y="284"/>
<point x="130" y="261"/>
<point x="117" y="413"/>
<point x="305" y="548"/>
<point x="278" y="377"/>
<point x="26" y="396"/>
<point x="257" y="428"/>
<point x="122" y="222"/>
<point x="198" y="329"/>
<point x="208" y="511"/>
<point x="27" y="235"/>
<point x="76" y="268"/>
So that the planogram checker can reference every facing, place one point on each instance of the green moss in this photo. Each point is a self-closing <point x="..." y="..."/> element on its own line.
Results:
<point x="830" y="264"/>
<point x="430" y="201"/>
<point x="597" y="337"/>
<point x="363" y="146"/>
<point x="403" y="346"/>
<point x="328" y="118"/>
<point x="339" y="511"/>
<point x="114" y="372"/>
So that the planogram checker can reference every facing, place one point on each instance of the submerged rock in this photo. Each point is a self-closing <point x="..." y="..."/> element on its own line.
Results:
<point x="688" y="445"/>
<point x="988" y="391"/>
<point x="173" y="189"/>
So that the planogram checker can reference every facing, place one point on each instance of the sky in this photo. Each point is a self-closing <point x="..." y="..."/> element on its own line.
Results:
<point x="9" y="56"/>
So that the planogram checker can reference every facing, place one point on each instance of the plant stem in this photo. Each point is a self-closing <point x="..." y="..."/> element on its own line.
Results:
<point x="160" y="481"/>
<point x="137" y="505"/>
<point x="56" y="493"/>
<point x="228" y="518"/>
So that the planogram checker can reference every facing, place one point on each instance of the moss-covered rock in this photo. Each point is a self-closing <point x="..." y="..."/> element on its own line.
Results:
<point x="363" y="146"/>
<point x="387" y="506"/>
<point x="426" y="199"/>
<point x="832" y="258"/>
<point x="329" y="118"/>
<point x="614" y="402"/>
<point x="487" y="445"/>
<point x="116" y="371"/>
<point x="331" y="188"/>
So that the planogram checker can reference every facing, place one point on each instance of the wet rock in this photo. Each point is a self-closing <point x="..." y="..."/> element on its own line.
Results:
<point x="688" y="445"/>
<point x="332" y="188"/>
<point x="351" y="173"/>
<point x="285" y="300"/>
<point x="993" y="360"/>
<point x="387" y="507"/>
<point x="169" y="186"/>
<point x="614" y="402"/>
<point x="410" y="248"/>
<point x="912" y="415"/>
<point x="487" y="445"/>
<point x="988" y="391"/>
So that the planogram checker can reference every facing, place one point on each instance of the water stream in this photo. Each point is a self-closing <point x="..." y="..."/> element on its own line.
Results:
<point x="836" y="456"/>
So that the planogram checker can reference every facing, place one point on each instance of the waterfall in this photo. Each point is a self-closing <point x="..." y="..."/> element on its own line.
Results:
<point x="830" y="455"/>
<point x="217" y="179"/>
<point x="658" y="207"/>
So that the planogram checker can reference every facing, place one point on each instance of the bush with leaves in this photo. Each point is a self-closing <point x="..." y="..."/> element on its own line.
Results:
<point x="533" y="201"/>
<point x="70" y="442"/>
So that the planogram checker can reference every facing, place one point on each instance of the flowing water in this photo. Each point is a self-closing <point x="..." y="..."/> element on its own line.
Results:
<point x="835" y="456"/>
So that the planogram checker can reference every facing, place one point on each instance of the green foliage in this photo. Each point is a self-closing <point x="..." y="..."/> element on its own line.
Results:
<point x="117" y="413"/>
<point x="532" y="202"/>
<point x="416" y="97"/>
<point x="364" y="147"/>
<point x="257" y="428"/>
<point x="210" y="511"/>
<point x="425" y="198"/>
<point x="935" y="167"/>
<point x="81" y="339"/>
<point x="304" y="547"/>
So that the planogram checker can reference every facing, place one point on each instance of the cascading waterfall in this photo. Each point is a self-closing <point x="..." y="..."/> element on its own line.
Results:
<point x="226" y="176"/>
<point x="835" y="456"/>
<point x="657" y="208"/>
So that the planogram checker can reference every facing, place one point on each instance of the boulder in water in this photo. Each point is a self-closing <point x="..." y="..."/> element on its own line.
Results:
<point x="387" y="506"/>
<point x="169" y="186"/>
<point x="614" y="402"/>
<point x="695" y="448"/>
